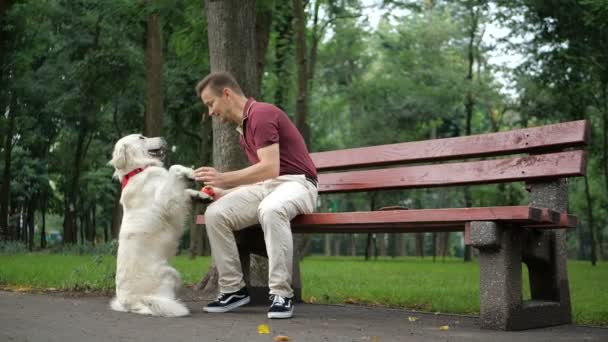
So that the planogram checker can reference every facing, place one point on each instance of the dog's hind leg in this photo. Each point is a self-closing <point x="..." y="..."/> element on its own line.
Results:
<point x="117" y="306"/>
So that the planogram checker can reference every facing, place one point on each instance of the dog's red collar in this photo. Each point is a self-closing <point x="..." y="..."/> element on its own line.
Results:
<point x="130" y="175"/>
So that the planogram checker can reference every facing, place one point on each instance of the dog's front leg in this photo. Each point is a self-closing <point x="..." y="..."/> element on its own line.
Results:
<point x="199" y="196"/>
<point x="182" y="172"/>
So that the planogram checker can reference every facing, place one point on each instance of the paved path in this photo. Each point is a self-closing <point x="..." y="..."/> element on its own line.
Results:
<point x="40" y="317"/>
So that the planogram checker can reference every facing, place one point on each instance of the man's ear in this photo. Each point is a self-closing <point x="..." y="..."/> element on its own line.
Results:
<point x="119" y="158"/>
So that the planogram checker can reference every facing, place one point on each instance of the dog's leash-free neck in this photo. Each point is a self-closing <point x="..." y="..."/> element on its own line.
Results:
<point x="130" y="175"/>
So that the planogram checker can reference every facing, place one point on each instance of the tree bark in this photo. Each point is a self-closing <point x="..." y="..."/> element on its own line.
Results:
<point x="31" y="210"/>
<point x="468" y="105"/>
<point x="71" y="200"/>
<point x="302" y="67"/>
<point x="153" y="118"/>
<point x="353" y="244"/>
<point x="116" y="213"/>
<point x="283" y="47"/>
<point x="5" y="191"/>
<point x="592" y="228"/>
<point x="382" y="244"/>
<point x="420" y="245"/>
<point x="45" y="201"/>
<point x="327" y="245"/>
<point x="263" y="24"/>
<point x="604" y="153"/>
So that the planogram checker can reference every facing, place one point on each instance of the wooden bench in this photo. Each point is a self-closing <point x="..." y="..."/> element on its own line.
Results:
<point x="542" y="157"/>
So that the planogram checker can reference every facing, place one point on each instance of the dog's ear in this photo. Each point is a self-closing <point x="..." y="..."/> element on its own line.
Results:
<point x="119" y="157"/>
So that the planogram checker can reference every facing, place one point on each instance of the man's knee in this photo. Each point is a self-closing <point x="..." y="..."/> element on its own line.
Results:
<point x="214" y="214"/>
<point x="268" y="212"/>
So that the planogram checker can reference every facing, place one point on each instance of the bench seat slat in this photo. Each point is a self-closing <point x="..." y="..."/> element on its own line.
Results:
<point x="556" y="136"/>
<point x="552" y="165"/>
<point x="452" y="219"/>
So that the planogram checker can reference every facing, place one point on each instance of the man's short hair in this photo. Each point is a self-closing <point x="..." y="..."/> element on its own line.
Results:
<point x="217" y="81"/>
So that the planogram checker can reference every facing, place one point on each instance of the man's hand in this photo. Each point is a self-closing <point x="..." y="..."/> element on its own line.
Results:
<point x="210" y="176"/>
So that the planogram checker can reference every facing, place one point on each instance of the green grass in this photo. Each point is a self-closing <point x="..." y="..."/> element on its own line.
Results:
<point x="446" y="286"/>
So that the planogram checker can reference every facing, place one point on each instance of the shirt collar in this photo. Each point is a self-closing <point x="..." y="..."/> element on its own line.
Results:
<point x="246" y="112"/>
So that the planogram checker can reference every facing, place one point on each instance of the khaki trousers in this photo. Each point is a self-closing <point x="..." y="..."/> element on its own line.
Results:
<point x="273" y="204"/>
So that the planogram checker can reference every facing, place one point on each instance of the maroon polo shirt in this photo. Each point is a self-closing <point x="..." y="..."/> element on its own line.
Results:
<point x="265" y="124"/>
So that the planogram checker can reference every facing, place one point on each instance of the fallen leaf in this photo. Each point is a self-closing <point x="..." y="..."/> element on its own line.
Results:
<point x="312" y="300"/>
<point x="263" y="329"/>
<point x="281" y="338"/>
<point x="22" y="289"/>
<point x="375" y="339"/>
<point x="412" y="318"/>
<point x="350" y="300"/>
<point x="444" y="327"/>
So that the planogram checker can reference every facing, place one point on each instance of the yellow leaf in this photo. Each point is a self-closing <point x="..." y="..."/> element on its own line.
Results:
<point x="444" y="327"/>
<point x="263" y="329"/>
<point x="375" y="339"/>
<point x="22" y="289"/>
<point x="281" y="338"/>
<point x="412" y="318"/>
<point x="312" y="300"/>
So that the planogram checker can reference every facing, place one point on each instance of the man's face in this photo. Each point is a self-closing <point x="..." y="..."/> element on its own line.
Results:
<point x="217" y="104"/>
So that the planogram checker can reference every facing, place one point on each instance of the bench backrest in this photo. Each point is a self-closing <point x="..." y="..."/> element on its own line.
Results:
<point x="548" y="154"/>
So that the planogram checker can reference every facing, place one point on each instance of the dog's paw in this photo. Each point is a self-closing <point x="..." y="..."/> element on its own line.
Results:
<point x="199" y="196"/>
<point x="182" y="172"/>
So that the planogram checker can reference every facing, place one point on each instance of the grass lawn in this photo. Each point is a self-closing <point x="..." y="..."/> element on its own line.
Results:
<point x="445" y="286"/>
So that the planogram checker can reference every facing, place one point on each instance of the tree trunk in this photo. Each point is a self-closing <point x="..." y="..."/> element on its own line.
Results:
<point x="592" y="228"/>
<point x="31" y="211"/>
<point x="93" y="230"/>
<point x="302" y="67"/>
<point x="70" y="203"/>
<point x="153" y="118"/>
<point x="469" y="104"/>
<point x="353" y="244"/>
<point x="283" y="47"/>
<point x="604" y="154"/>
<point x="263" y="24"/>
<point x="382" y="244"/>
<point x="116" y="213"/>
<point x="5" y="191"/>
<point x="231" y="37"/>
<point x="337" y="245"/>
<point x="400" y="242"/>
<point x="314" y="48"/>
<point x="45" y="200"/>
<point x="420" y="245"/>
<point x="327" y="248"/>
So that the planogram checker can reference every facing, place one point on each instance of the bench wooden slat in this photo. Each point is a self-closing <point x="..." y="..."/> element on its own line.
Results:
<point x="557" y="136"/>
<point x="552" y="165"/>
<point x="414" y="220"/>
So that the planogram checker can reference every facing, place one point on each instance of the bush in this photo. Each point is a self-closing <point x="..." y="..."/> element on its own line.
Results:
<point x="109" y="248"/>
<point x="13" y="247"/>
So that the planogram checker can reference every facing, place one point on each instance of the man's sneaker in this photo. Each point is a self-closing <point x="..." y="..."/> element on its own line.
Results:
<point x="229" y="301"/>
<point x="281" y="307"/>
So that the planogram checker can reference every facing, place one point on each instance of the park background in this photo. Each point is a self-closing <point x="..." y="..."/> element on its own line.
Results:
<point x="77" y="75"/>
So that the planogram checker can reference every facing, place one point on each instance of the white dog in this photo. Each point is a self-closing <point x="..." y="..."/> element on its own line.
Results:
<point x="155" y="204"/>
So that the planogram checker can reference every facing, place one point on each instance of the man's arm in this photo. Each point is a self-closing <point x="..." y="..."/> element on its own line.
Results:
<point x="268" y="167"/>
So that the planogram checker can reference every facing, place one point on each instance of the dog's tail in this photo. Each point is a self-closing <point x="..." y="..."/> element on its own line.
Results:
<point x="152" y="305"/>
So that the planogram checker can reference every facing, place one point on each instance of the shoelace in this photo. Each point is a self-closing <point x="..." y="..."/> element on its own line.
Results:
<point x="277" y="300"/>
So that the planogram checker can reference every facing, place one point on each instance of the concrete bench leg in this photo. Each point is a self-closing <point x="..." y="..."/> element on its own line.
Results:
<point x="499" y="273"/>
<point x="500" y="288"/>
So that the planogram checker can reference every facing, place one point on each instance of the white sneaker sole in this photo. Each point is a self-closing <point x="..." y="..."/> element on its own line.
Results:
<point x="217" y="309"/>
<point x="286" y="314"/>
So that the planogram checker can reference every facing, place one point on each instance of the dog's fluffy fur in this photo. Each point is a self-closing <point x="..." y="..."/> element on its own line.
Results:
<point x="155" y="204"/>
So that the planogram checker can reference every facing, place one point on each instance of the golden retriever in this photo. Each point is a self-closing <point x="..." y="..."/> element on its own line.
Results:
<point x="155" y="204"/>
